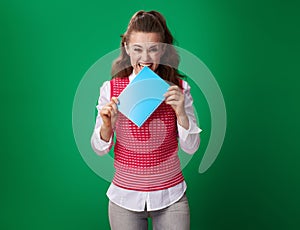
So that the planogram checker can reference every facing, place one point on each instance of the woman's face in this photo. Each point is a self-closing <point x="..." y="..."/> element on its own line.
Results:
<point x="144" y="49"/>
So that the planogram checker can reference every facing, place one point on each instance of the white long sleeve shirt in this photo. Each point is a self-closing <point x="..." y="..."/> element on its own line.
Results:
<point x="189" y="141"/>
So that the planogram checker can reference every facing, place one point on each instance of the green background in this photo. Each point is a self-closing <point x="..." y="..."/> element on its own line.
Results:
<point x="251" y="47"/>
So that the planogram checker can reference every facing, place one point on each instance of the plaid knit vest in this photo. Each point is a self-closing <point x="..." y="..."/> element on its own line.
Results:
<point x="146" y="158"/>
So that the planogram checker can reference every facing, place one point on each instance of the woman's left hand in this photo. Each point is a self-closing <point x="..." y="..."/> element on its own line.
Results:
<point x="175" y="97"/>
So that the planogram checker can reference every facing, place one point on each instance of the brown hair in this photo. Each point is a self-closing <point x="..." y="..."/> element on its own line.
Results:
<point x="151" y="21"/>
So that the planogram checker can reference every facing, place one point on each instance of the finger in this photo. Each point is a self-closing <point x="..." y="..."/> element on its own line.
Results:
<point x="173" y="103"/>
<point x="174" y="87"/>
<point x="105" y="113"/>
<point x="113" y="110"/>
<point x="173" y="92"/>
<point x="172" y="98"/>
<point x="109" y="108"/>
<point x="169" y="93"/>
<point x="115" y="100"/>
<point x="113" y="103"/>
<point x="112" y="107"/>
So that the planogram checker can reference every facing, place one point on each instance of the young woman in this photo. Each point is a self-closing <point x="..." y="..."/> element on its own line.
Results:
<point x="148" y="182"/>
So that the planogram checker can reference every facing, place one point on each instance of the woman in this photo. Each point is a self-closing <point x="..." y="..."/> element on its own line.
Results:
<point x="148" y="181"/>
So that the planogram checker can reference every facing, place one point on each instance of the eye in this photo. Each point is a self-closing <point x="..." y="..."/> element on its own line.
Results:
<point x="153" y="49"/>
<point x="137" y="50"/>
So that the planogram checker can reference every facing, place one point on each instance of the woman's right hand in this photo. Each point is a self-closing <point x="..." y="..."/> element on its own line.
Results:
<point x="108" y="114"/>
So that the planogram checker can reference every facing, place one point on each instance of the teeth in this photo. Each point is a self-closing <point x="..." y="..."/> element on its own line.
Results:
<point x="144" y="64"/>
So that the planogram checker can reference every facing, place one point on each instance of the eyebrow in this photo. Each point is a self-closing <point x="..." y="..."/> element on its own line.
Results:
<point x="155" y="45"/>
<point x="137" y="45"/>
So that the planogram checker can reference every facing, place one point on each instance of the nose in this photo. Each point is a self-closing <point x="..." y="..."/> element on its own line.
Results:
<point x="145" y="56"/>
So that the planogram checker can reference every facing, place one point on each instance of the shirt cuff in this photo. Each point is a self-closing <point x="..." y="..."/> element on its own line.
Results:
<point x="183" y="133"/>
<point x="100" y="144"/>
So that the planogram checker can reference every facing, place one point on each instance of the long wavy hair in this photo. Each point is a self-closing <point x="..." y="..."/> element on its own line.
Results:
<point x="149" y="22"/>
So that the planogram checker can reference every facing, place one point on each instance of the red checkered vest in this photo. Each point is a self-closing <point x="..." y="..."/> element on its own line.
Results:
<point x="146" y="158"/>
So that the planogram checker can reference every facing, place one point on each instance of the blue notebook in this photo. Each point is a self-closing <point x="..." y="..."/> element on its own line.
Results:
<point x="142" y="96"/>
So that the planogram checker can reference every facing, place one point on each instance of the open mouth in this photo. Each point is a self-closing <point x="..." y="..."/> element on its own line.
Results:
<point x="141" y="65"/>
<point x="145" y="64"/>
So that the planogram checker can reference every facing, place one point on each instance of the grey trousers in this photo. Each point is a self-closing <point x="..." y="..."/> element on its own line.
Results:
<point x="174" y="217"/>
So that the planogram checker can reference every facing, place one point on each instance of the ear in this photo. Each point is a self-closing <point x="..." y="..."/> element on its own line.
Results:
<point x="126" y="48"/>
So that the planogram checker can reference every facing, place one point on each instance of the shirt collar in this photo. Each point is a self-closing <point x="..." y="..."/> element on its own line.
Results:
<point x="132" y="76"/>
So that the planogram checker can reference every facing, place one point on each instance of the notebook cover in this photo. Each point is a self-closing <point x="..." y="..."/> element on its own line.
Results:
<point x="142" y="96"/>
